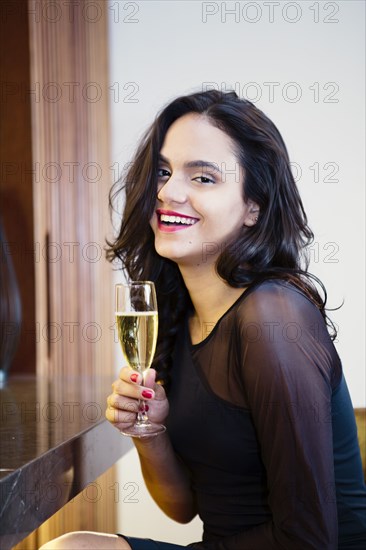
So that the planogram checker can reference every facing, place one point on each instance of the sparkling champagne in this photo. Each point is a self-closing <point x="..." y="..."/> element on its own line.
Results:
<point x="137" y="332"/>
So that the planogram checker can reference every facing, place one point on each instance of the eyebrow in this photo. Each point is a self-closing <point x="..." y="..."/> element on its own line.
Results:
<point x="195" y="164"/>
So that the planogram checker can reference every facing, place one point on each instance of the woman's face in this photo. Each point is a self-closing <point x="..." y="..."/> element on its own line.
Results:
<point x="200" y="207"/>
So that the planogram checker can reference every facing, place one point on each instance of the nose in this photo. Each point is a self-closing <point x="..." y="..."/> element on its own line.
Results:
<point x="172" y="191"/>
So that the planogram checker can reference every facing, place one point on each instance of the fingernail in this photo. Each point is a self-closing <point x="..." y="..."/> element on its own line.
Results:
<point x="147" y="394"/>
<point x="134" y="377"/>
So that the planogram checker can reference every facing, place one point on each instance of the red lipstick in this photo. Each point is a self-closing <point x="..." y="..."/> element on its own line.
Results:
<point x="170" y="221"/>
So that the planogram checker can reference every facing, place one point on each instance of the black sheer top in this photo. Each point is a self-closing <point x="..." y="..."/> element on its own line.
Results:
<point x="261" y="416"/>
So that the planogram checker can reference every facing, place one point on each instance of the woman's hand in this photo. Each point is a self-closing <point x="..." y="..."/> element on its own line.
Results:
<point x="127" y="390"/>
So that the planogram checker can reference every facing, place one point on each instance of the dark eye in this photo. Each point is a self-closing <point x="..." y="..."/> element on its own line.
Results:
<point x="205" y="180"/>
<point x="160" y="175"/>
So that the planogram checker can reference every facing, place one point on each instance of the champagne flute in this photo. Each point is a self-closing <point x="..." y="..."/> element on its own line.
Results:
<point x="137" y="323"/>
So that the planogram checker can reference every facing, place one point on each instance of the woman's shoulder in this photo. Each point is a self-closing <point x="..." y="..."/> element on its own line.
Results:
<point x="284" y="327"/>
<point x="279" y="299"/>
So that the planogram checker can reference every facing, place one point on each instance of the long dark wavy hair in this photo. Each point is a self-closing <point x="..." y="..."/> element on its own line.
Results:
<point x="275" y="247"/>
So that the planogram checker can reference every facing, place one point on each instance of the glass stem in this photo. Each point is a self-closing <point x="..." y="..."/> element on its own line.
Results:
<point x="141" y="414"/>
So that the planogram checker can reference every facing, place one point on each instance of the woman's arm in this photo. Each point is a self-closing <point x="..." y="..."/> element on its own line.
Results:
<point x="165" y="476"/>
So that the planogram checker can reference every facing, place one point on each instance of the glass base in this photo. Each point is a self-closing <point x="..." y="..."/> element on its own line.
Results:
<point x="144" y="430"/>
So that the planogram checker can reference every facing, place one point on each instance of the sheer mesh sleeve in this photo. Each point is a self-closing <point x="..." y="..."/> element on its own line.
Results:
<point x="288" y="365"/>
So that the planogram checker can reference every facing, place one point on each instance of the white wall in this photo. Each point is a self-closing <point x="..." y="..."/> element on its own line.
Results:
<point x="302" y="63"/>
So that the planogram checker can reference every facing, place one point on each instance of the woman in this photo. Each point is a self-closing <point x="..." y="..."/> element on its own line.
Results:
<point x="261" y="439"/>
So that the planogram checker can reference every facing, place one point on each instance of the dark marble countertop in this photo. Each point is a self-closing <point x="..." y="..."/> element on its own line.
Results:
<point x="54" y="441"/>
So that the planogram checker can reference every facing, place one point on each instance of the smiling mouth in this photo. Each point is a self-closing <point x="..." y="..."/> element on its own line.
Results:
<point x="175" y="219"/>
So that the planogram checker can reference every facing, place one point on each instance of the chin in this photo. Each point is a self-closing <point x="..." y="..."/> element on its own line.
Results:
<point x="166" y="252"/>
<point x="177" y="252"/>
<point x="174" y="255"/>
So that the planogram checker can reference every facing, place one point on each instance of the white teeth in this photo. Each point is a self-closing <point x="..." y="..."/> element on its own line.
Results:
<point x="176" y="219"/>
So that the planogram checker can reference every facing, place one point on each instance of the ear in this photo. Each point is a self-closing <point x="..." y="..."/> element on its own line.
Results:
<point x="252" y="213"/>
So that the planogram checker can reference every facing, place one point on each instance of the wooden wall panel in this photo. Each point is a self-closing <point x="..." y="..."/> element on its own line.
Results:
<point x="71" y="143"/>
<point x="74" y="294"/>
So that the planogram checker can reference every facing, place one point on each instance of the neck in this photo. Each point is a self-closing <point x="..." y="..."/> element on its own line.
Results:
<point x="211" y="296"/>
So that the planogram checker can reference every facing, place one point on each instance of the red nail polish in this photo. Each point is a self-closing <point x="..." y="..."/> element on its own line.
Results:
<point x="134" y="377"/>
<point x="147" y="394"/>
